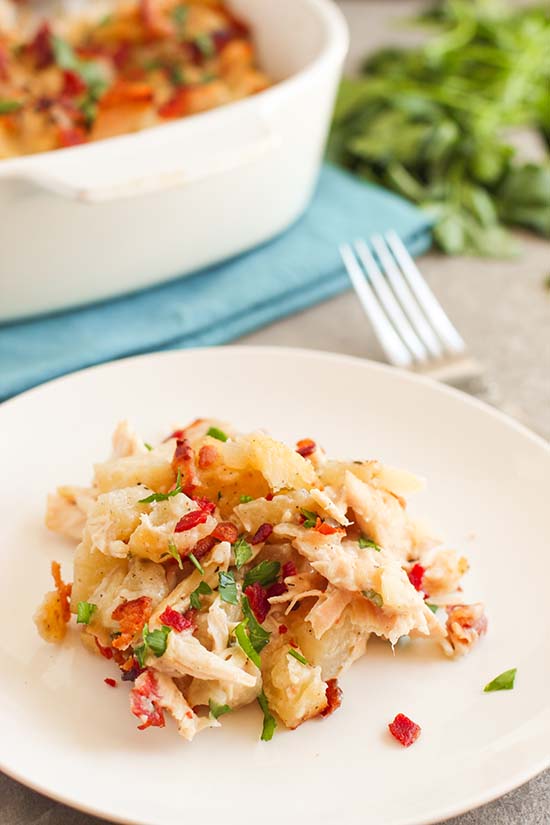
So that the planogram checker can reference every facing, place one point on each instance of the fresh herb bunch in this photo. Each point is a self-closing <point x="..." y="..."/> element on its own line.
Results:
<point x="431" y="122"/>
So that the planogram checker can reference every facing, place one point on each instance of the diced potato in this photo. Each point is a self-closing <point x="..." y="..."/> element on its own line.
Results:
<point x="114" y="518"/>
<point x="280" y="465"/>
<point x="49" y="618"/>
<point x="397" y="481"/>
<point x="90" y="568"/>
<point x="295" y="691"/>
<point x="284" y="507"/>
<point x="151" y="470"/>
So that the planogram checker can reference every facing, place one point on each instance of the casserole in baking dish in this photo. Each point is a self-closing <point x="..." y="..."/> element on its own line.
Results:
<point x="88" y="222"/>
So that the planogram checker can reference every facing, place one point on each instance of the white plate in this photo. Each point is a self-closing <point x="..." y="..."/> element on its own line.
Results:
<point x="67" y="734"/>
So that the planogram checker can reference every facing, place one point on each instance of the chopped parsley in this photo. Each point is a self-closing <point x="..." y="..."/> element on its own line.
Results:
<point x="245" y="643"/>
<point x="194" y="560"/>
<point x="298" y="656"/>
<point x="257" y="635"/>
<point x="177" y="76"/>
<point x="265" y="573"/>
<point x="242" y="552"/>
<point x="147" y="446"/>
<point x="310" y="518"/>
<point x="433" y="607"/>
<point x="214" y="432"/>
<point x="245" y="499"/>
<point x="9" y="106"/>
<point x="228" y="587"/>
<point x="217" y="710"/>
<point x="219" y="494"/>
<point x="505" y="681"/>
<point x="174" y="552"/>
<point x="203" y="589"/>
<point x="205" y="45"/>
<point x="364" y="542"/>
<point x="270" y="724"/>
<point x="163" y="496"/>
<point x="179" y="16"/>
<point x="373" y="597"/>
<point x="105" y="20"/>
<point x="85" y="611"/>
<point x="152" y="640"/>
<point x="91" y="73"/>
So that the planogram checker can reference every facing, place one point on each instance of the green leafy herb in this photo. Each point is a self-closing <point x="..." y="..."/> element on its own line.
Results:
<point x="310" y="518"/>
<point x="245" y="643"/>
<point x="364" y="542"/>
<point x="227" y="587"/>
<point x="9" y="106"/>
<point x="177" y="76"/>
<point x="175" y="553"/>
<point x="292" y="652"/>
<point x="219" y="494"/>
<point x="432" y="122"/>
<point x="147" y="446"/>
<point x="85" y="611"/>
<point x="214" y="432"/>
<point x="270" y="724"/>
<point x="257" y="635"/>
<point x="217" y="710"/>
<point x="242" y="552"/>
<point x="433" y="607"/>
<point x="105" y="20"/>
<point x="206" y="46"/>
<point x="179" y="16"/>
<point x="203" y="589"/>
<point x="163" y="496"/>
<point x="505" y="681"/>
<point x="194" y="560"/>
<point x="245" y="499"/>
<point x="154" y="641"/>
<point x="91" y="73"/>
<point x="373" y="597"/>
<point x="266" y="572"/>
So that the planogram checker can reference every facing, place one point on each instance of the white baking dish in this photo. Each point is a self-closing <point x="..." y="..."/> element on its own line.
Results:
<point x="86" y="223"/>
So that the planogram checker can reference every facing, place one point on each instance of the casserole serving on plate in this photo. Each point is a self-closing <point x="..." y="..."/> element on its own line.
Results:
<point x="88" y="222"/>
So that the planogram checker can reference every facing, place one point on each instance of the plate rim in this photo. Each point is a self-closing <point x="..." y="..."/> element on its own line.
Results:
<point x="477" y="799"/>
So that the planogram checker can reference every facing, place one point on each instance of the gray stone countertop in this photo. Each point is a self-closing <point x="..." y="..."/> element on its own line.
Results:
<point x="502" y="310"/>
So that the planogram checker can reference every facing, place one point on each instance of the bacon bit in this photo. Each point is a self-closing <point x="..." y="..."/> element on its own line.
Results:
<point x="326" y="529"/>
<point x="178" y="105"/>
<point x="404" y="730"/>
<point x="262" y="533"/>
<point x="257" y="598"/>
<point x="269" y="497"/>
<point x="305" y="447"/>
<point x="283" y="629"/>
<point x="121" y="55"/>
<point x="226" y="531"/>
<point x="144" y="703"/>
<point x="40" y="46"/>
<point x="4" y="63"/>
<point x="73" y="84"/>
<point x="293" y="644"/>
<point x="289" y="569"/>
<point x="177" y="434"/>
<point x="416" y="574"/>
<point x="63" y="591"/>
<point x="178" y="621"/>
<point x="205" y="504"/>
<point x="131" y="669"/>
<point x="334" y="697"/>
<point x="106" y="652"/>
<point x="276" y="589"/>
<point x="110" y="682"/>
<point x="123" y="92"/>
<point x="72" y="137"/>
<point x="208" y="455"/>
<point x="190" y="520"/>
<point x="184" y="461"/>
<point x="204" y="546"/>
<point x="132" y="616"/>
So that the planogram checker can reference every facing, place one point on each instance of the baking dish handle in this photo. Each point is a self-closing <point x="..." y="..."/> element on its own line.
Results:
<point x="154" y="160"/>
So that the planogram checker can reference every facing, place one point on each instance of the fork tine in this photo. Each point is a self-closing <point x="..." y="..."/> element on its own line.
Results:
<point x="392" y="345"/>
<point x="387" y="299"/>
<point x="424" y="295"/>
<point x="406" y="296"/>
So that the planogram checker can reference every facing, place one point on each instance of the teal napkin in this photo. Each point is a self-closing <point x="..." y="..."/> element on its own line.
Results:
<point x="299" y="268"/>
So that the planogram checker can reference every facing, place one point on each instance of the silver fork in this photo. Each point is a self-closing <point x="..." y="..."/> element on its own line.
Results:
<point x="408" y="320"/>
